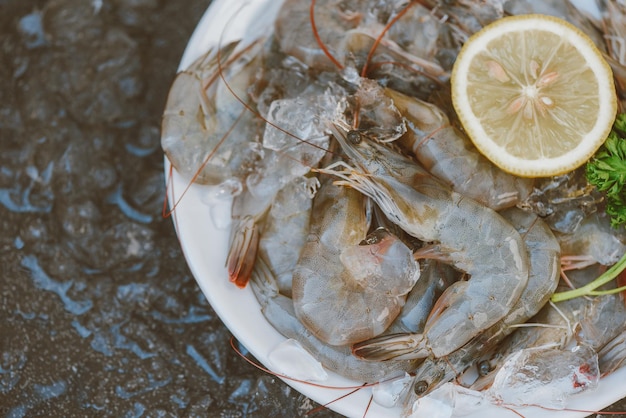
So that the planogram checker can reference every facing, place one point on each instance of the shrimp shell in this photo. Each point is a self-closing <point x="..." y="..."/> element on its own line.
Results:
<point x="470" y="236"/>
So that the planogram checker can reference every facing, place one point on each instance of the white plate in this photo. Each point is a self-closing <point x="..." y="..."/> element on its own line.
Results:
<point x="205" y="247"/>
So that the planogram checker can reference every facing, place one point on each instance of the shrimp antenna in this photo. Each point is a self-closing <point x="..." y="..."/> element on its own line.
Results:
<point x="570" y="328"/>
<point x="325" y="406"/>
<point x="382" y="34"/>
<point x="293" y="379"/>
<point x="377" y="64"/>
<point x="318" y="39"/>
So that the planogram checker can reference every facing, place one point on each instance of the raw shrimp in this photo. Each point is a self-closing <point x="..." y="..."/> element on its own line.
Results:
<point x="449" y="155"/>
<point x="543" y="251"/>
<point x="589" y="321"/>
<point x="296" y="35"/>
<point x="563" y="201"/>
<point x="391" y="65"/>
<point x="468" y="15"/>
<point x="338" y="34"/>
<point x="562" y="9"/>
<point x="278" y="309"/>
<point x="293" y="141"/>
<point x="348" y="286"/>
<point x="285" y="229"/>
<point x="201" y="112"/>
<point x="473" y="238"/>
<point x="282" y="240"/>
<point x="613" y="354"/>
<point x="551" y="327"/>
<point x="594" y="241"/>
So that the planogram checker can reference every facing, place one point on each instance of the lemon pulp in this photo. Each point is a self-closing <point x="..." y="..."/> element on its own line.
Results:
<point x="534" y="95"/>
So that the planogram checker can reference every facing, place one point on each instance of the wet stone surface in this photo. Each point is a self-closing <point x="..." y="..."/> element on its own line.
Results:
<point x="99" y="315"/>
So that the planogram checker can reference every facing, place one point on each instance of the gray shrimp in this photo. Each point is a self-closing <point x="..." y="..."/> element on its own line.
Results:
<point x="592" y="322"/>
<point x="285" y="228"/>
<point x="282" y="240"/>
<point x="348" y="286"/>
<point x="278" y="309"/>
<point x="450" y="156"/>
<point x="293" y="142"/>
<point x="464" y="233"/>
<point x="543" y="251"/>
<point x="201" y="112"/>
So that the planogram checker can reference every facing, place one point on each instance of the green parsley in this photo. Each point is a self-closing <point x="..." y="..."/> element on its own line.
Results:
<point x="606" y="170"/>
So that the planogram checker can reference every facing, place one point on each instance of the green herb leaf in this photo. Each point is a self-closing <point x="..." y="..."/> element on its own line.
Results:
<point x="607" y="171"/>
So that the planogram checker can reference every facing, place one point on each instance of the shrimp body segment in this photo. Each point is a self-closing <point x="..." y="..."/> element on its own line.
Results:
<point x="348" y="286"/>
<point x="201" y="113"/>
<point x="464" y="233"/>
<point x="278" y="309"/>
<point x="450" y="156"/>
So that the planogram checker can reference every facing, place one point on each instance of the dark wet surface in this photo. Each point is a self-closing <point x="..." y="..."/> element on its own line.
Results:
<point x="99" y="315"/>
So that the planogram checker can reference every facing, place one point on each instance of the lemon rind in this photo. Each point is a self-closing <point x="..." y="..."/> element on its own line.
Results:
<point x="547" y="166"/>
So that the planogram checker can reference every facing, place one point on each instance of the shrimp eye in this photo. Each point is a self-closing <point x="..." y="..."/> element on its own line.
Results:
<point x="420" y="387"/>
<point x="374" y="237"/>
<point x="484" y="368"/>
<point x="354" y="137"/>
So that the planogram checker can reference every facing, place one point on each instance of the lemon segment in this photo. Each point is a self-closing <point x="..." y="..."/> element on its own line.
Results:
<point x="534" y="95"/>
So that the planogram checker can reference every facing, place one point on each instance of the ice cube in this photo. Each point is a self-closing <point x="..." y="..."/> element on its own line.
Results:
<point x="545" y="376"/>
<point x="389" y="392"/>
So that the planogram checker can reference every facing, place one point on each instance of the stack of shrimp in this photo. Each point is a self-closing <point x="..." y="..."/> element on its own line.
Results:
<point x="369" y="227"/>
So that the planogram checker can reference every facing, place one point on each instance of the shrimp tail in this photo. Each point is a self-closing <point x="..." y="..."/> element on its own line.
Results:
<point x="263" y="283"/>
<point x="434" y="252"/>
<point x="401" y="346"/>
<point x="447" y="299"/>
<point x="243" y="250"/>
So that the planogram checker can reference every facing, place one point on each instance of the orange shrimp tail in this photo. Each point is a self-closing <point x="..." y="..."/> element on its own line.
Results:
<point x="243" y="251"/>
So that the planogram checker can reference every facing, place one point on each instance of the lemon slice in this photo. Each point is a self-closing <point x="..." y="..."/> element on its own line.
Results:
<point x="534" y="95"/>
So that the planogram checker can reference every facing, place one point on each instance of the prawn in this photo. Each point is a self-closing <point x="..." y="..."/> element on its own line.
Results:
<point x="449" y="155"/>
<point x="348" y="286"/>
<point x="543" y="251"/>
<point x="279" y="311"/>
<point x="612" y="355"/>
<point x="563" y="201"/>
<point x="593" y="322"/>
<point x="429" y="211"/>
<point x="594" y="241"/>
<point x="300" y="37"/>
<point x="193" y="131"/>
<point x="285" y="229"/>
<point x="282" y="240"/>
<point x="338" y="34"/>
<point x="293" y="142"/>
